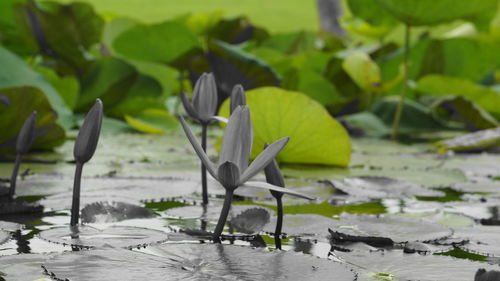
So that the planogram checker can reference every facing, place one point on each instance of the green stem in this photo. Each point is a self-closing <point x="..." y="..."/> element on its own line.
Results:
<point x="399" y="110"/>
<point x="204" y="188"/>
<point x="13" y="176"/>
<point x="75" y="206"/>
<point x="228" y="198"/>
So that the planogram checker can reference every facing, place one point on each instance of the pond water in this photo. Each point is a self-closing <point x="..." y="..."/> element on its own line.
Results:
<point x="397" y="213"/>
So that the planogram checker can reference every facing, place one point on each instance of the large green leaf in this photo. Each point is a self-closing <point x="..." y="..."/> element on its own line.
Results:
<point x="315" y="136"/>
<point x="166" y="42"/>
<point x="14" y="72"/>
<point x="63" y="32"/>
<point x="23" y="101"/>
<point x="429" y="12"/>
<point x="11" y="34"/>
<point x="312" y="84"/>
<point x="370" y="19"/>
<point x="456" y="111"/>
<point x="442" y="85"/>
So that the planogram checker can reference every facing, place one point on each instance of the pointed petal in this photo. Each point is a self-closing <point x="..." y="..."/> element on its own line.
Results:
<point x="238" y="137"/>
<point x="198" y="149"/>
<point x="188" y="106"/>
<point x="26" y="134"/>
<point x="228" y="175"/>
<point x="265" y="185"/>
<point x="205" y="96"/>
<point x="263" y="159"/>
<point x="88" y="136"/>
<point x="237" y="97"/>
<point x="219" y="118"/>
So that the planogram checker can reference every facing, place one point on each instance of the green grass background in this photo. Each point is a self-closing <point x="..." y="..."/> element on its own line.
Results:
<point x="275" y="15"/>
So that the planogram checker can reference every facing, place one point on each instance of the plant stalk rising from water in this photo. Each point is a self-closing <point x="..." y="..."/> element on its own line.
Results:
<point x="233" y="170"/>
<point x="85" y="146"/>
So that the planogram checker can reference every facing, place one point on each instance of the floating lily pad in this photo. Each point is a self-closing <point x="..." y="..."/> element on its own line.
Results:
<point x="10" y="226"/>
<point x="482" y="186"/>
<point x="396" y="265"/>
<point x="195" y="262"/>
<point x="115" y="236"/>
<point x="383" y="187"/>
<point x="395" y="228"/>
<point x="424" y="248"/>
<point x="18" y="206"/>
<point x="483" y="240"/>
<point x="106" y="212"/>
<point x="302" y="225"/>
<point x="23" y="267"/>
<point x="209" y="212"/>
<point x="480" y="140"/>
<point x="4" y="236"/>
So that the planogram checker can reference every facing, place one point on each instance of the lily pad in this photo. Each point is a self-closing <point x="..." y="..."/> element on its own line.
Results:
<point x="383" y="187"/>
<point x="4" y="236"/>
<point x="302" y="225"/>
<point x="194" y="262"/>
<point x="397" y="229"/>
<point x="396" y="265"/>
<point x="10" y="226"/>
<point x="278" y="113"/>
<point x="209" y="212"/>
<point x="23" y="267"/>
<point x="482" y="186"/>
<point x="115" y="236"/>
<point x="106" y="212"/>
<point x="483" y="240"/>
<point x="250" y="221"/>
<point x="480" y="140"/>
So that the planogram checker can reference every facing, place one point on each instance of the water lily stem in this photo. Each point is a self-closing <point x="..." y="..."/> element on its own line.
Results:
<point x="228" y="198"/>
<point x="75" y="206"/>
<point x="204" y="128"/>
<point x="13" y="177"/>
<point x="279" y="222"/>
<point x="399" y="110"/>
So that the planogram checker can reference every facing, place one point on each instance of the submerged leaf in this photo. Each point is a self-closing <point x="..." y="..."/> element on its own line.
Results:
<point x="194" y="262"/>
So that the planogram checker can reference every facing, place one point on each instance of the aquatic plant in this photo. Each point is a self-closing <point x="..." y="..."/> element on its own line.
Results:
<point x="233" y="170"/>
<point x="23" y="144"/>
<point x="202" y="109"/>
<point x="85" y="146"/>
<point x="238" y="97"/>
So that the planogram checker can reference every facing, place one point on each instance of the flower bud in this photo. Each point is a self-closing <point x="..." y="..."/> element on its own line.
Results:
<point x="205" y="97"/>
<point x="237" y="97"/>
<point x="228" y="175"/>
<point x="26" y="135"/>
<point x="88" y="136"/>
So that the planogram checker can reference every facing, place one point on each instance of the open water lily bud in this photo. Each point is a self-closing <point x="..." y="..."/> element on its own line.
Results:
<point x="88" y="136"/>
<point x="238" y="97"/>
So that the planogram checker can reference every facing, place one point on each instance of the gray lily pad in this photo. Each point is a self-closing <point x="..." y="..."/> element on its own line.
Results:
<point x="106" y="212"/>
<point x="482" y="186"/>
<point x="211" y="212"/>
<point x="302" y="225"/>
<point x="194" y="262"/>
<point x="398" y="229"/>
<point x="115" y="236"/>
<point x="4" y="236"/>
<point x="424" y="248"/>
<point x="10" y="226"/>
<point x="396" y="265"/>
<point x="23" y="267"/>
<point x="251" y="221"/>
<point x="483" y="240"/>
<point x="383" y="187"/>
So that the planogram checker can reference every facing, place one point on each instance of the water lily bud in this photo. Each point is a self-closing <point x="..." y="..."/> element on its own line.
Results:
<point x="26" y="135"/>
<point x="205" y="97"/>
<point x="188" y="106"/>
<point x="237" y="97"/>
<point x="5" y="100"/>
<point x="229" y="175"/>
<point x="274" y="176"/>
<point x="88" y="136"/>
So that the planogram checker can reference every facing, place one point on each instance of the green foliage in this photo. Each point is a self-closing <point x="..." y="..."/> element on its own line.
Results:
<point x="315" y="137"/>
<point x="429" y="12"/>
<point x="153" y="121"/>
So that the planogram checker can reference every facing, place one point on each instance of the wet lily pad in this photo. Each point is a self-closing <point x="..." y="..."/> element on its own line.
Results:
<point x="4" y="236"/>
<point x="106" y="212"/>
<point x="396" y="265"/>
<point x="195" y="262"/>
<point x="23" y="267"/>
<point x="482" y="186"/>
<point x="115" y="236"/>
<point x="302" y="225"/>
<point x="209" y="212"/>
<point x="483" y="240"/>
<point x="383" y="187"/>
<point x="10" y="226"/>
<point x="18" y="206"/>
<point x="398" y="229"/>
<point x="480" y="140"/>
